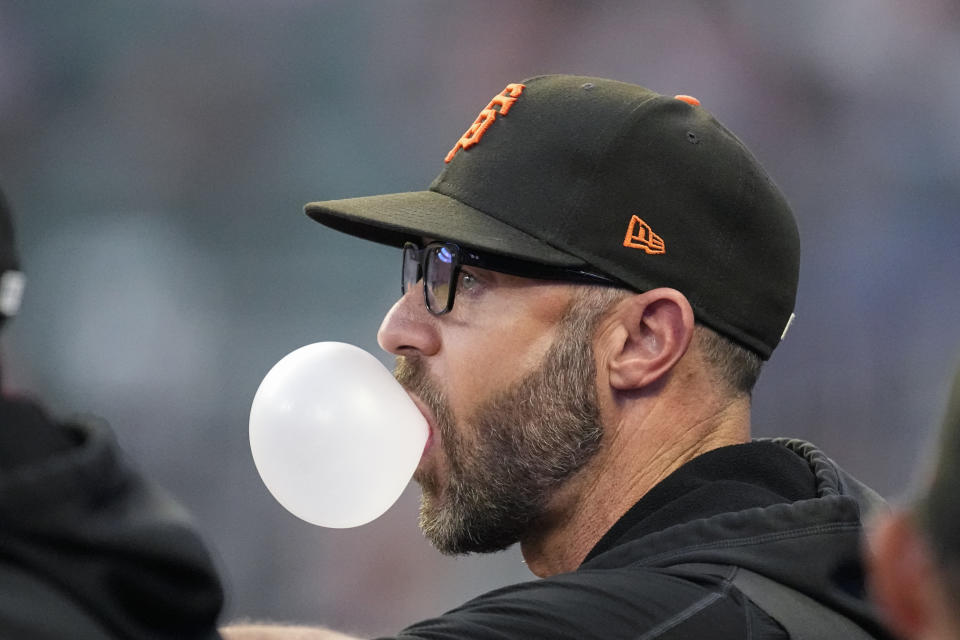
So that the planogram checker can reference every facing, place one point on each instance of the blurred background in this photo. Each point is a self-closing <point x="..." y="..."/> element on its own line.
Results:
<point x="158" y="155"/>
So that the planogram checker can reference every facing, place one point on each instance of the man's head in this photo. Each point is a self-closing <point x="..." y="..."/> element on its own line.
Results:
<point x="504" y="454"/>
<point x="11" y="280"/>
<point x="914" y="557"/>
<point x="583" y="234"/>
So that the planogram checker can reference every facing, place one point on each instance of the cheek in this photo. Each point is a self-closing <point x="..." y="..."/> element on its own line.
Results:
<point x="475" y="372"/>
<point x="488" y="351"/>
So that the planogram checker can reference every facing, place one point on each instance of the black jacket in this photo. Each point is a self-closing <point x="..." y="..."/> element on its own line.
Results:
<point x="88" y="548"/>
<point x="777" y="508"/>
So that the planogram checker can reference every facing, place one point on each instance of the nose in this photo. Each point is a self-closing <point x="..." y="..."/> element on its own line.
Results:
<point x="408" y="328"/>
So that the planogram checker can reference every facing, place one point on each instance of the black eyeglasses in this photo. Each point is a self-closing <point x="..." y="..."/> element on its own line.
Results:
<point x="438" y="265"/>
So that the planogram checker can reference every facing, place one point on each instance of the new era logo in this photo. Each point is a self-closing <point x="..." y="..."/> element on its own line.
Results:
<point x="641" y="236"/>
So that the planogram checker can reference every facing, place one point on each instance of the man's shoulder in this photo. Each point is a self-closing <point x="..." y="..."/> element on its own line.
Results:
<point x="73" y="511"/>
<point x="625" y="602"/>
<point x="32" y="607"/>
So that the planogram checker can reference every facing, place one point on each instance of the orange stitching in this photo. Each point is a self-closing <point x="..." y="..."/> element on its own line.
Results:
<point x="471" y="136"/>
<point x="641" y="236"/>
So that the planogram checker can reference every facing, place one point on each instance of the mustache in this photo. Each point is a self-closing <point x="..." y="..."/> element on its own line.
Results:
<point x="411" y="373"/>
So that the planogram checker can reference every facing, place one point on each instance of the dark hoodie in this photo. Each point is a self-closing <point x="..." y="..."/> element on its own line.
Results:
<point x="88" y="548"/>
<point x="779" y="508"/>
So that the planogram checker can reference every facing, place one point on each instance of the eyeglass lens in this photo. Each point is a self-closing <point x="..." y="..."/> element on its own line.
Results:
<point x="437" y="265"/>
<point x="438" y="274"/>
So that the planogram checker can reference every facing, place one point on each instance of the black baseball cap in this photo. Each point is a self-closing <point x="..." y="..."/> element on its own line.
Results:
<point x="593" y="173"/>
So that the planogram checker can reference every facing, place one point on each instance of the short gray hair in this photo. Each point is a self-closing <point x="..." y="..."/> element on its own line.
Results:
<point x="734" y="367"/>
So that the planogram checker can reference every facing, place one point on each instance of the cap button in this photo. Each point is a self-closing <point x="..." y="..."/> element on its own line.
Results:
<point x="688" y="99"/>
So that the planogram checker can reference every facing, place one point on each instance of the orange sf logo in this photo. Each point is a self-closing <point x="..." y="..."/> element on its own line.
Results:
<point x="504" y="100"/>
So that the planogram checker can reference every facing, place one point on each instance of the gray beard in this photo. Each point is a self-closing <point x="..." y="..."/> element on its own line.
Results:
<point x="527" y="440"/>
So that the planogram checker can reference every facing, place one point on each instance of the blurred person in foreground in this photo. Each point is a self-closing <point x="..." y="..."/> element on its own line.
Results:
<point x="914" y="552"/>
<point x="590" y="288"/>
<point x="89" y="550"/>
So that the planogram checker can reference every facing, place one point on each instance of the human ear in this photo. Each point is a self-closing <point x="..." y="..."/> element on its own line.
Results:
<point x="901" y="577"/>
<point x="652" y="331"/>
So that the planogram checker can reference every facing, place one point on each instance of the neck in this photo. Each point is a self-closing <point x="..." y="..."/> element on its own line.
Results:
<point x="622" y="472"/>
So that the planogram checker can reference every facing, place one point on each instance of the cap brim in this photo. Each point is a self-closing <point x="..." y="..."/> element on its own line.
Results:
<point x="401" y="217"/>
